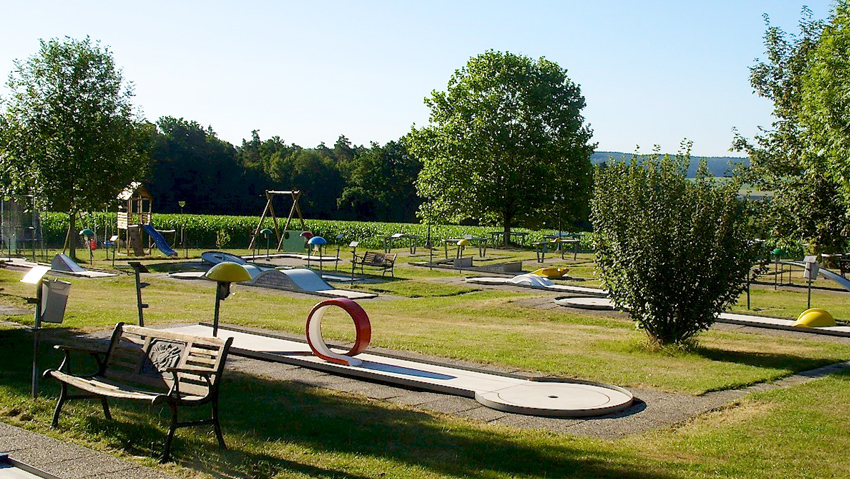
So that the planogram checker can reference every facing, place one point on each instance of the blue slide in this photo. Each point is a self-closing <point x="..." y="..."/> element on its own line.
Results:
<point x="159" y="240"/>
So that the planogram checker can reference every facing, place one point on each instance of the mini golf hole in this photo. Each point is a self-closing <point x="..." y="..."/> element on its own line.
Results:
<point x="553" y="397"/>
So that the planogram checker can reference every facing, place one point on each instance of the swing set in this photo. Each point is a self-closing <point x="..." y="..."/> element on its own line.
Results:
<point x="284" y="234"/>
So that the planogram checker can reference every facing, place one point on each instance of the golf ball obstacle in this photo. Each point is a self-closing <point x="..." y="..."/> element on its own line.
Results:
<point x="362" y="326"/>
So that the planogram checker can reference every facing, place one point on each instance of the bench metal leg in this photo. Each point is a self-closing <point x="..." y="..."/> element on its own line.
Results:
<point x="166" y="455"/>
<point x="63" y="396"/>
<point x="217" y="426"/>
<point x="105" y="405"/>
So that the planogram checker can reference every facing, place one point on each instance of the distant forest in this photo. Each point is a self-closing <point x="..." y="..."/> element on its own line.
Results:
<point x="341" y="181"/>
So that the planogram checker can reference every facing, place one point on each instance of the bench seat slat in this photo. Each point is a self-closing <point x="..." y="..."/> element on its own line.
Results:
<point x="105" y="387"/>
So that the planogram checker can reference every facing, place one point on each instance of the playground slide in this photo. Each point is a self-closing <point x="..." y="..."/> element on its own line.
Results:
<point x="159" y="240"/>
<point x="844" y="282"/>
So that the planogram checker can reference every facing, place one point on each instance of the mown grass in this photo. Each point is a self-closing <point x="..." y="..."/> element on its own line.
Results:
<point x="286" y="430"/>
<point x="458" y="321"/>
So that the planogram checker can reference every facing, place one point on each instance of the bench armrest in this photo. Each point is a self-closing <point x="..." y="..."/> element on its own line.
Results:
<point x="82" y="349"/>
<point x="98" y="352"/>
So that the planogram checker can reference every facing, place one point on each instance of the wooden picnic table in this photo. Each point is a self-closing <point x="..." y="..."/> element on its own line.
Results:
<point x="564" y="238"/>
<point x="495" y="235"/>
<point x="477" y="240"/>
<point x="388" y="241"/>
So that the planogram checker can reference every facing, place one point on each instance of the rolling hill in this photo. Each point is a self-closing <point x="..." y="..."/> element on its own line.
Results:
<point x="718" y="165"/>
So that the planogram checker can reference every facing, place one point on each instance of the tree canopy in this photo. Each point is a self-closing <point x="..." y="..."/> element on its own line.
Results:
<point x="68" y="131"/>
<point x="825" y="104"/>
<point x="506" y="144"/>
<point x="379" y="183"/>
<point x="799" y="157"/>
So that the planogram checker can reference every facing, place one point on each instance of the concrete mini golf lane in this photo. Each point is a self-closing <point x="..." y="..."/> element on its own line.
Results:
<point x="500" y="392"/>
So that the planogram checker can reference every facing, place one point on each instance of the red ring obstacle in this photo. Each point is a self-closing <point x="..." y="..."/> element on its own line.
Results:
<point x="362" y="327"/>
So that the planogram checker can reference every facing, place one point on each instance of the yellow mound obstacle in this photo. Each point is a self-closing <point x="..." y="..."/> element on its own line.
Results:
<point x="551" y="272"/>
<point x="814" y="318"/>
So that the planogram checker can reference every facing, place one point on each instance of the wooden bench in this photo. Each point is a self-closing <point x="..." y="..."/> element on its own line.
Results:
<point x="153" y="366"/>
<point x="382" y="261"/>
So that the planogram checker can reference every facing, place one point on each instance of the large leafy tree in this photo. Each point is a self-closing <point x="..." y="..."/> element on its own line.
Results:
<point x="380" y="184"/>
<point x="190" y="163"/>
<point x="506" y="141"/>
<point x="674" y="252"/>
<point x="807" y="204"/>
<point x="68" y="131"/>
<point x="825" y="112"/>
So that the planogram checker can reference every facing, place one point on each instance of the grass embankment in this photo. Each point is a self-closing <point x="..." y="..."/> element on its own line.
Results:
<point x="287" y="430"/>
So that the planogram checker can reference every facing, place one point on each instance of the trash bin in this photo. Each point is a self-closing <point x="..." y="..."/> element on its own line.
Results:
<point x="54" y="298"/>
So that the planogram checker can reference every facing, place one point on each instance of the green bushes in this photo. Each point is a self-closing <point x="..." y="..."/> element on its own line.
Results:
<point x="675" y="252"/>
<point x="213" y="231"/>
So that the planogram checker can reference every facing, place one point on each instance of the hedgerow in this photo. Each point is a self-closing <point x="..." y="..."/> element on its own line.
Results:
<point x="217" y="231"/>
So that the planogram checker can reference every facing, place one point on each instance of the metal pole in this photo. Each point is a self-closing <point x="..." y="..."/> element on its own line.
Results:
<point x="217" y="307"/>
<point x="809" y="302"/>
<point x="138" y="268"/>
<point x="35" y="339"/>
<point x="32" y="228"/>
<point x="775" y="278"/>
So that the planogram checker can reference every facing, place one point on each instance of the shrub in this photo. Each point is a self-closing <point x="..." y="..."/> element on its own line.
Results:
<point x="674" y="252"/>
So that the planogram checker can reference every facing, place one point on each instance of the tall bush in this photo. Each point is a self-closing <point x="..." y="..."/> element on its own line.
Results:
<point x="674" y="252"/>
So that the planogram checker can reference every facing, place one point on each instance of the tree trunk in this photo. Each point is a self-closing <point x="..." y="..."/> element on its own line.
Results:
<point x="507" y="226"/>
<point x="71" y="237"/>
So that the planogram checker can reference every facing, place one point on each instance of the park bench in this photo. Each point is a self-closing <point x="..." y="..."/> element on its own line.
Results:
<point x="382" y="261"/>
<point x="153" y="366"/>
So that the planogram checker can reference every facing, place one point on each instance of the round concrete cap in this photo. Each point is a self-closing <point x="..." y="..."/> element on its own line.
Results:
<point x="558" y="399"/>
<point x="595" y="303"/>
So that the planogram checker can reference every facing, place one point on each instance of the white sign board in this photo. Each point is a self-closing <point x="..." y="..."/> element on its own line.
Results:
<point x="811" y="271"/>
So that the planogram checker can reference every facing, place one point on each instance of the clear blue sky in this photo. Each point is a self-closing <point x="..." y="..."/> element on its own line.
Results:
<point x="652" y="72"/>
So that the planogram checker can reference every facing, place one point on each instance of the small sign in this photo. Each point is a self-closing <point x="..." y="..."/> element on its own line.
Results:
<point x="812" y="267"/>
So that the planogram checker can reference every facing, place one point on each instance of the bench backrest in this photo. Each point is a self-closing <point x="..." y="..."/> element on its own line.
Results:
<point x="378" y="259"/>
<point x="140" y="356"/>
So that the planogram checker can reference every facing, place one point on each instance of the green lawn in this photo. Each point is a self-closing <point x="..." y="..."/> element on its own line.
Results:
<point x="286" y="430"/>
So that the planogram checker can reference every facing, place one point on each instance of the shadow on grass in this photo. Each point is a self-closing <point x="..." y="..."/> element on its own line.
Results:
<point x="283" y="428"/>
<point x="785" y="362"/>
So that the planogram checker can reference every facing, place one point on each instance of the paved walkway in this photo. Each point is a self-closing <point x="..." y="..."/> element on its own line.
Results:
<point x="68" y="461"/>
<point x="652" y="409"/>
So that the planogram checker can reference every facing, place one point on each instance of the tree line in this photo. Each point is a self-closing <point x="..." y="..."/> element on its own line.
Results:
<point x="346" y="181"/>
